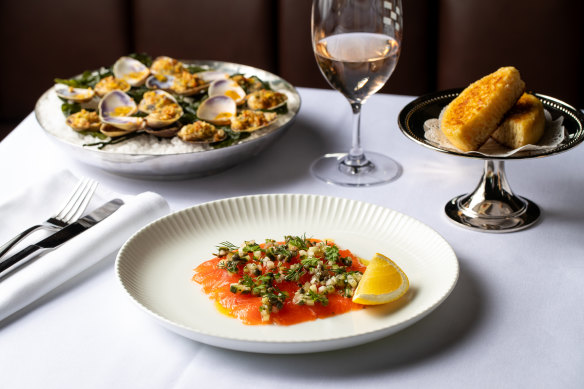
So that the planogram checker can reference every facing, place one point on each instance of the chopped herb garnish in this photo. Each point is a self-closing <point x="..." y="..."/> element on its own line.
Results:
<point x="310" y="262"/>
<point x="316" y="297"/>
<point x="331" y="253"/>
<point x="275" y="267"/>
<point x="227" y="245"/>
<point x="297" y="241"/>
<point x="230" y="266"/>
<point x="294" y="273"/>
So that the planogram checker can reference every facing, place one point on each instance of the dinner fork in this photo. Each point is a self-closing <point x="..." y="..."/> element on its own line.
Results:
<point x="70" y="212"/>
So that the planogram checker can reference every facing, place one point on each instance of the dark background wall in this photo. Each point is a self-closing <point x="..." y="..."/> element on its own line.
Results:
<point x="447" y="43"/>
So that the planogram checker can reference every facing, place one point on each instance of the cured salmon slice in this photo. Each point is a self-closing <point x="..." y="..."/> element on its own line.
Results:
<point x="211" y="277"/>
<point x="337" y="305"/>
<point x="245" y="307"/>
<point x="283" y="291"/>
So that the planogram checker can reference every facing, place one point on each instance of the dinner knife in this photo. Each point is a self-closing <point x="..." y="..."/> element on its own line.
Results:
<point x="60" y="237"/>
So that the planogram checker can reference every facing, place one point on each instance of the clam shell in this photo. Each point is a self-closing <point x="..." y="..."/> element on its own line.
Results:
<point x="208" y="76"/>
<point x="117" y="103"/>
<point x="83" y="121"/>
<point x="163" y="82"/>
<point x="170" y="83"/>
<point x="164" y="116"/>
<point x="164" y="65"/>
<point x="154" y="99"/>
<point x="250" y="84"/>
<point x="229" y="88"/>
<point x="191" y="133"/>
<point x="78" y="95"/>
<point x="181" y="82"/>
<point x="218" y="110"/>
<point x="112" y="131"/>
<point x="240" y="122"/>
<point x="125" y="123"/>
<point x="260" y="99"/>
<point x="109" y="84"/>
<point x="131" y="70"/>
<point x="115" y="108"/>
<point x="167" y="132"/>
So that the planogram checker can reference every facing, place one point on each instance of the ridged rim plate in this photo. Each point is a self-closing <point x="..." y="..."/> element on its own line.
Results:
<point x="155" y="267"/>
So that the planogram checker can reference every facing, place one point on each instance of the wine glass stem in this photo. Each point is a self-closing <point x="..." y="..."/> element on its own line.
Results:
<point x="356" y="157"/>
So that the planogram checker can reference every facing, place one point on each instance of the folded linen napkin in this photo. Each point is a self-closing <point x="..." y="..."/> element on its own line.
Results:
<point x="39" y="202"/>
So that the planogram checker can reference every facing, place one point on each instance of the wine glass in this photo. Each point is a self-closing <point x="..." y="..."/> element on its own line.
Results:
<point x="356" y="44"/>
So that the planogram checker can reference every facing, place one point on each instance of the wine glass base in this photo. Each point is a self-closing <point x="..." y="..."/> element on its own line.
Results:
<point x="380" y="169"/>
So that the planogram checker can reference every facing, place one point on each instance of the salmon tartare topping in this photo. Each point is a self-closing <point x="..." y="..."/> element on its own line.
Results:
<point x="281" y="282"/>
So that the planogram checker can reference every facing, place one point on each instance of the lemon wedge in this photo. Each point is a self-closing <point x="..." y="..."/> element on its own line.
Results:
<point x="382" y="282"/>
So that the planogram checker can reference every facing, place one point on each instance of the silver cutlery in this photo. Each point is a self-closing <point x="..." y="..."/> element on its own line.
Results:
<point x="73" y="208"/>
<point x="59" y="237"/>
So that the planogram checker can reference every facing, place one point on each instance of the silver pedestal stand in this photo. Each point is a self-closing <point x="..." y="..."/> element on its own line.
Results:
<point x="492" y="206"/>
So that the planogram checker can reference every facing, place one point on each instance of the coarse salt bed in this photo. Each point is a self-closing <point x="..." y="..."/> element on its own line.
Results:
<point x="54" y="124"/>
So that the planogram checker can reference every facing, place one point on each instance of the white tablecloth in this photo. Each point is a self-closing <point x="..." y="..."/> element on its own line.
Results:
<point x="515" y="318"/>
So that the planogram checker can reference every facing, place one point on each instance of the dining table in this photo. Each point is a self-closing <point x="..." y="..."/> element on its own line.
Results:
<point x="514" y="319"/>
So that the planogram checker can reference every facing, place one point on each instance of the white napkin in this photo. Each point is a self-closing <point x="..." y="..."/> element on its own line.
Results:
<point x="41" y="201"/>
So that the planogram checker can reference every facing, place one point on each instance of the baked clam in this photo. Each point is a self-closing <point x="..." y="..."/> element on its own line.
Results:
<point x="248" y="120"/>
<point x="250" y="84"/>
<point x="266" y="99"/>
<point x="131" y="70"/>
<point x="229" y="88"/>
<point x="218" y="110"/>
<point x="109" y="84"/>
<point x="164" y="65"/>
<point x="164" y="116"/>
<point x="184" y="84"/>
<point x="160" y="81"/>
<point x="77" y="95"/>
<point x="84" y="121"/>
<point x="188" y="84"/>
<point x="155" y="99"/>
<point x="201" y="132"/>
<point x="115" y="109"/>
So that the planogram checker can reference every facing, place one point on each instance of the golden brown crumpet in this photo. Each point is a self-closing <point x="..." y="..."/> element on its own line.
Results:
<point x="524" y="123"/>
<point x="470" y="119"/>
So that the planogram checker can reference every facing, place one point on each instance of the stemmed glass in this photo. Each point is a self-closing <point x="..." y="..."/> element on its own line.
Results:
<point x="356" y="44"/>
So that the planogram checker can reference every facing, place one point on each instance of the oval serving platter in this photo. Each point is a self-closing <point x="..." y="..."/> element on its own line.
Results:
<point x="199" y="161"/>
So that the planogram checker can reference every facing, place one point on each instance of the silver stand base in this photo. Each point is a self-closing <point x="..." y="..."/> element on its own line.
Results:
<point x="493" y="207"/>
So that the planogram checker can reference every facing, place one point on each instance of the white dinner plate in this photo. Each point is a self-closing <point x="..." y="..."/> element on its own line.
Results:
<point x="155" y="267"/>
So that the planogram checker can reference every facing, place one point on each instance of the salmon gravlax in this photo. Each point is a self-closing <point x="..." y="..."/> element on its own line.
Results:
<point x="281" y="282"/>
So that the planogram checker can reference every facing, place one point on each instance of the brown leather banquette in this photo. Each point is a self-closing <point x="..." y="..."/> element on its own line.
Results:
<point x="447" y="43"/>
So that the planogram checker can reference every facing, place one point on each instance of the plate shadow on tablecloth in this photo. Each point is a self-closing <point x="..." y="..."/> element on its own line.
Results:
<point x="443" y="329"/>
<point x="564" y="207"/>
